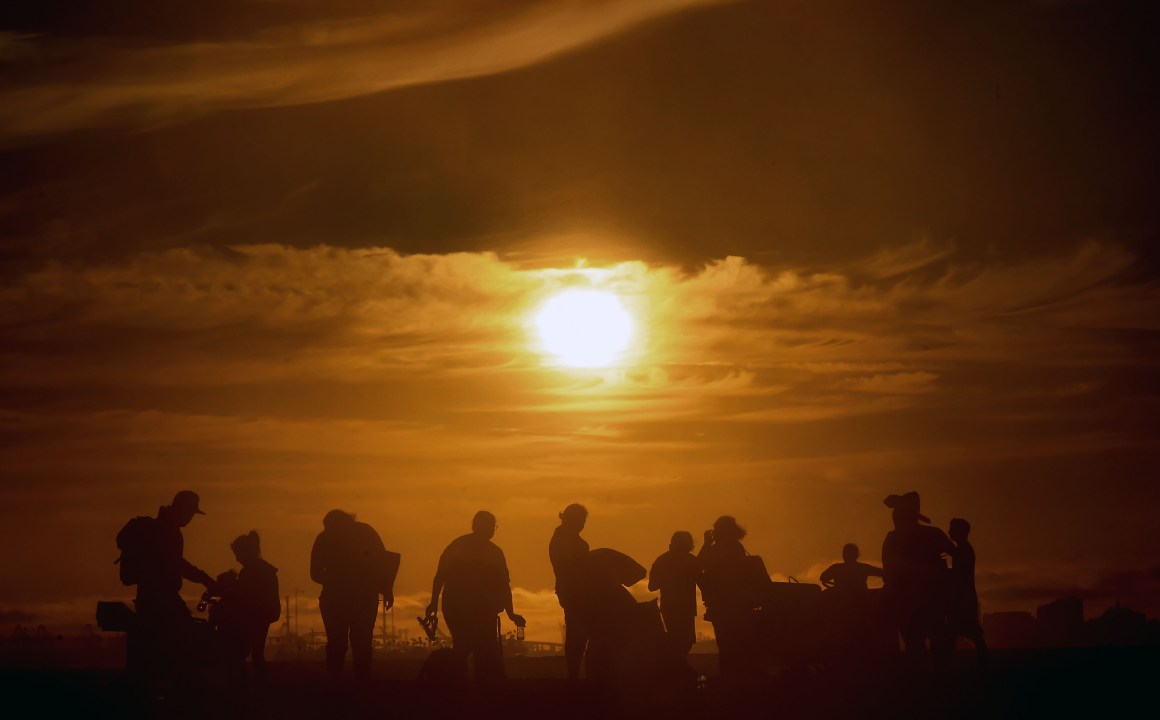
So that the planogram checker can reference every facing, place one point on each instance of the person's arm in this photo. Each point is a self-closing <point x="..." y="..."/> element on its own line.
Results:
<point x="871" y="570"/>
<point x="706" y="545"/>
<point x="380" y="552"/>
<point x="437" y="586"/>
<point x="654" y="583"/>
<point x="947" y="547"/>
<point x="436" y="591"/>
<point x="272" y="601"/>
<point x="508" y="602"/>
<point x="317" y="562"/>
<point x="827" y="577"/>
<point x="191" y="572"/>
<point x="889" y="562"/>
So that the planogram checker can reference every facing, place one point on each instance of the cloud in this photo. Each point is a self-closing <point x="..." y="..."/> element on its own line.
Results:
<point x="892" y="262"/>
<point x="894" y="384"/>
<point x="774" y="340"/>
<point x="283" y="381"/>
<point x="312" y="62"/>
<point x="16" y="617"/>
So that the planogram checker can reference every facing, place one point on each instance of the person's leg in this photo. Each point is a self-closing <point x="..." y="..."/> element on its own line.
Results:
<point x="980" y="646"/>
<point x="739" y="656"/>
<point x="681" y="629"/>
<point x="185" y="653"/>
<point x="258" y="652"/>
<point x="145" y="655"/>
<point x="575" y="641"/>
<point x="937" y="628"/>
<point x="237" y="647"/>
<point x="485" y="647"/>
<point x="728" y="650"/>
<point x="913" y="642"/>
<point x="463" y="640"/>
<point x="362" y="629"/>
<point x="337" y="626"/>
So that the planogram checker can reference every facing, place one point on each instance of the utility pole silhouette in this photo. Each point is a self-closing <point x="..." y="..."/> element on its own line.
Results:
<point x="297" y="592"/>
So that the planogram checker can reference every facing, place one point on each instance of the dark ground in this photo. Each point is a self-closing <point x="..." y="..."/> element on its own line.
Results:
<point x="1020" y="684"/>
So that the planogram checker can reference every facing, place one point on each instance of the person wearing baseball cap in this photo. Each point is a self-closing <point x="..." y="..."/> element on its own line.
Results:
<point x="915" y="579"/>
<point x="187" y="501"/>
<point x="153" y="559"/>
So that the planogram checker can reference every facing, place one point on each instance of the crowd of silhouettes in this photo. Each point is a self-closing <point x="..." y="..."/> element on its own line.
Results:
<point x="609" y="635"/>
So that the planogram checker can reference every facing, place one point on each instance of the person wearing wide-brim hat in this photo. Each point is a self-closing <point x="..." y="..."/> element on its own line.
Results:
<point x="915" y="577"/>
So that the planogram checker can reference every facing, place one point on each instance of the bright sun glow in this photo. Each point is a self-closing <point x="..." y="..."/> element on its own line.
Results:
<point x="584" y="328"/>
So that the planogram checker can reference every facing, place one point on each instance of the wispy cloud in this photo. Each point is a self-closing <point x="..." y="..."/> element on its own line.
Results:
<point x="103" y="82"/>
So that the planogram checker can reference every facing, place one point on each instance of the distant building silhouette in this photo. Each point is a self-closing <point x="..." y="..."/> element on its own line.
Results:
<point x="1010" y="629"/>
<point x="1118" y="626"/>
<point x="1060" y="623"/>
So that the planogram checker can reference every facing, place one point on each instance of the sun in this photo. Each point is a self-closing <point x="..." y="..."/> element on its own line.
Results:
<point x="584" y="328"/>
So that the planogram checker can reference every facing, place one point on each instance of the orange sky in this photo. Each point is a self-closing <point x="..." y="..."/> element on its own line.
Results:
<point x="287" y="257"/>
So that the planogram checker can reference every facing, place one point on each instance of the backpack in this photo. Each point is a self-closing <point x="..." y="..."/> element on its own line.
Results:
<point x="135" y="541"/>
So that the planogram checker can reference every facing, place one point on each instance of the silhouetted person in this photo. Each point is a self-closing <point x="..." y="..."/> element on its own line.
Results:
<point x="226" y="618"/>
<point x="473" y="579"/>
<point x="253" y="602"/>
<point x="729" y="598"/>
<point x="153" y="558"/>
<point x="849" y="575"/>
<point x="963" y="615"/>
<point x="915" y="577"/>
<point x="569" y="555"/>
<point x="854" y="624"/>
<point x="675" y="574"/>
<point x="351" y="564"/>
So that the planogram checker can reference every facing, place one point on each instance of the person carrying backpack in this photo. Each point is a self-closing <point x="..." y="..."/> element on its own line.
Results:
<point x="153" y="559"/>
<point x="350" y="563"/>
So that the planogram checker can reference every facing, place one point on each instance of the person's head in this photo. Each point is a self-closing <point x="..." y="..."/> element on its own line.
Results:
<point x="483" y="524"/>
<point x="336" y="519"/>
<point x="850" y="552"/>
<point x="727" y="529"/>
<point x="682" y="541"/>
<point x="247" y="548"/>
<point x="905" y="509"/>
<point x="185" y="506"/>
<point x="959" y="530"/>
<point x="574" y="516"/>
